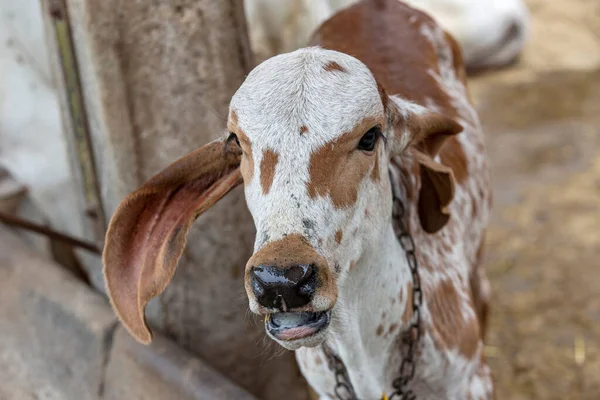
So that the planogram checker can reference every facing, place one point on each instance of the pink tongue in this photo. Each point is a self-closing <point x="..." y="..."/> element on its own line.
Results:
<point x="295" y="333"/>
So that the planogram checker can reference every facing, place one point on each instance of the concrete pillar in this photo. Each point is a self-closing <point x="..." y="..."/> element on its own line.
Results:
<point x="157" y="77"/>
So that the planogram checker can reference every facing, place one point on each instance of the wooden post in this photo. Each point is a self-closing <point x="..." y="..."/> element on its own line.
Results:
<point x="156" y="79"/>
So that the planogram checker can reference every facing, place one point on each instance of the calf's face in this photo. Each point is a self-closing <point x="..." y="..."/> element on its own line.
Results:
<point x="310" y="134"/>
<point x="311" y="126"/>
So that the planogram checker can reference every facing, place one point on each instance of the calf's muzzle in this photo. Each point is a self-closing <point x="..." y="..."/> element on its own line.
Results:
<point x="288" y="275"/>
<point x="283" y="288"/>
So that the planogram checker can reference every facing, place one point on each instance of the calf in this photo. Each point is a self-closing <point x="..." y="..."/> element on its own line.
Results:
<point x="326" y="140"/>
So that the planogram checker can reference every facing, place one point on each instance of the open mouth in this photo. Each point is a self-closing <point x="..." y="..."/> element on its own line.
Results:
<point x="293" y="326"/>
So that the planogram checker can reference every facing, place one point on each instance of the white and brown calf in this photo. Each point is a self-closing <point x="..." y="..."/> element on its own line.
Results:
<point x="491" y="32"/>
<point x="319" y="137"/>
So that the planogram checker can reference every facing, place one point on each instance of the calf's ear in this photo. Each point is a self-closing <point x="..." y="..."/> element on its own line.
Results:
<point x="147" y="233"/>
<point x="423" y="133"/>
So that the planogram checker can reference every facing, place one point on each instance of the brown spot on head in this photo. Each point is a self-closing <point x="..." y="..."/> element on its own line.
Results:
<point x="357" y="30"/>
<point x="267" y="169"/>
<point x="337" y="168"/>
<point x="338" y="236"/>
<point x="303" y="129"/>
<point x="392" y="328"/>
<point x="451" y="329"/>
<point x="379" y="331"/>
<point x="333" y="66"/>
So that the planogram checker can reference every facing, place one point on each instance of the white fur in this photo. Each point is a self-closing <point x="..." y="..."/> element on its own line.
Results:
<point x="278" y="26"/>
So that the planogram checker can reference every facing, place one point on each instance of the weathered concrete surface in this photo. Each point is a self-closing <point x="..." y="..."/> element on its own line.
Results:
<point x="54" y="332"/>
<point x="59" y="340"/>
<point x="162" y="371"/>
<point x="542" y="121"/>
<point x="158" y="77"/>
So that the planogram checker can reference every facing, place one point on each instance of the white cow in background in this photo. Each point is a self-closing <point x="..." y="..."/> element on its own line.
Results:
<point x="491" y="32"/>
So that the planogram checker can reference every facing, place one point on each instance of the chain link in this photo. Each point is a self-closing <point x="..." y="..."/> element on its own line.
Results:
<point x="411" y="337"/>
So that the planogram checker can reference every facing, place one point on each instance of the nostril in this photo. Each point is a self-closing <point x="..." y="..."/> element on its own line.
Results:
<point x="284" y="288"/>
<point x="298" y="274"/>
<point x="257" y="287"/>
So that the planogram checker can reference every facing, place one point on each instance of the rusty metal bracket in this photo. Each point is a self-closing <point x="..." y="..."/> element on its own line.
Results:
<point x="80" y="127"/>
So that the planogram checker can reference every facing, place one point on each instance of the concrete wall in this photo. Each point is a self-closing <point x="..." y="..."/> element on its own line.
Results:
<point x="157" y="79"/>
<point x="60" y="340"/>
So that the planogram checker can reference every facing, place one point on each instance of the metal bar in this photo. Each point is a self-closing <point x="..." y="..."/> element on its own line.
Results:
<point x="80" y="126"/>
<point x="11" y="220"/>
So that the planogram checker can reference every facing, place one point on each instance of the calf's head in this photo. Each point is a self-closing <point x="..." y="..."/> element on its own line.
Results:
<point x="310" y="134"/>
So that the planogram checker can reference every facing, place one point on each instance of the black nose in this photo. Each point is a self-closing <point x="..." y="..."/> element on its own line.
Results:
<point x="283" y="288"/>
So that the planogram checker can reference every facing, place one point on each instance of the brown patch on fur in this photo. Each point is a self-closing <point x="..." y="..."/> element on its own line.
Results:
<point x="371" y="30"/>
<point x="338" y="236"/>
<point x="392" y="328"/>
<point x="294" y="250"/>
<point x="247" y="163"/>
<point x="336" y="169"/>
<point x="267" y="169"/>
<point x="303" y="129"/>
<point x="333" y="66"/>
<point x="379" y="331"/>
<point x="450" y="330"/>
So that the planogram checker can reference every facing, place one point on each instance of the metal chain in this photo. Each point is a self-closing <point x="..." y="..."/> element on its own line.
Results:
<point x="413" y="334"/>
<point x="343" y="386"/>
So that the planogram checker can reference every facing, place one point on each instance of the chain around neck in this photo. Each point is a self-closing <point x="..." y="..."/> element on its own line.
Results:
<point x="410" y="339"/>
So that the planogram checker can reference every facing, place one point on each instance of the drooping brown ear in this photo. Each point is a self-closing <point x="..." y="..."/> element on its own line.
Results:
<point x="437" y="191"/>
<point x="425" y="132"/>
<point x="147" y="234"/>
<point x="431" y="130"/>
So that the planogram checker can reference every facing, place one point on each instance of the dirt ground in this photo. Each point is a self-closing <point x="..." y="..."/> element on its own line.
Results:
<point x="542" y="121"/>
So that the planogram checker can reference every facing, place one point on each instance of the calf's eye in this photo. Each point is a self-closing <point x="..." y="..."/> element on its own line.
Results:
<point x="369" y="139"/>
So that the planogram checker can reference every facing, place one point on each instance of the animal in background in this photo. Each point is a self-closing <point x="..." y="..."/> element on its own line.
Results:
<point x="491" y="33"/>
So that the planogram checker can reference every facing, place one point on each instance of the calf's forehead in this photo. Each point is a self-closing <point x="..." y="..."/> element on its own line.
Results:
<point x="314" y="93"/>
